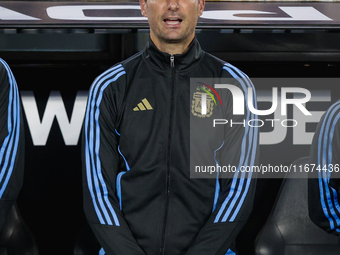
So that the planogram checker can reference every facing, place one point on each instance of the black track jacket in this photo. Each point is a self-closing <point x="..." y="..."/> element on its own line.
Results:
<point x="138" y="195"/>
<point x="324" y="181"/>
<point x="11" y="142"/>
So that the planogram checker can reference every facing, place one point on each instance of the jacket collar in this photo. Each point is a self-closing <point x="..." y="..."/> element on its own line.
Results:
<point x="161" y="60"/>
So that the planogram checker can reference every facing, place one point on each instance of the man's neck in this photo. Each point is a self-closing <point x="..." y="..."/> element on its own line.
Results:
<point x="171" y="47"/>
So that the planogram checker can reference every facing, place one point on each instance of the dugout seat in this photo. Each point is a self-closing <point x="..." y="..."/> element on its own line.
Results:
<point x="288" y="230"/>
<point x="86" y="243"/>
<point x="15" y="237"/>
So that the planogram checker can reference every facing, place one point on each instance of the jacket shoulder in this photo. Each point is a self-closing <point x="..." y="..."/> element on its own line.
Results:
<point x="213" y="61"/>
<point x="136" y="58"/>
<point x="2" y="67"/>
<point x="118" y="70"/>
<point x="4" y="73"/>
<point x="226" y="69"/>
<point x="109" y="76"/>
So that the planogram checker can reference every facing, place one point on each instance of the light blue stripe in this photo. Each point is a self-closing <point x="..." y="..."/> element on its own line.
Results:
<point x="119" y="177"/>
<point x="238" y="208"/>
<point x="9" y="119"/>
<point x="217" y="194"/>
<point x="100" y="78"/>
<point x="230" y="194"/>
<point x="251" y="151"/>
<point x="16" y="127"/>
<point x="230" y="252"/>
<point x="101" y="252"/>
<point x="12" y="139"/>
<point x="89" y="145"/>
<point x="90" y="153"/>
<point x="126" y="163"/>
<point x="319" y="162"/>
<point x="235" y="178"/>
<point x="253" y="154"/>
<point x="105" y="191"/>
<point x="4" y="149"/>
<point x="233" y="202"/>
<point x="217" y="187"/>
<point x="323" y="181"/>
<point x="327" y="136"/>
<point x="119" y="188"/>
<point x="254" y="130"/>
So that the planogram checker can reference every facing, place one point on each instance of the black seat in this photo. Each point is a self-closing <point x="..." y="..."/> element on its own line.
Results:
<point x="288" y="230"/>
<point x="15" y="237"/>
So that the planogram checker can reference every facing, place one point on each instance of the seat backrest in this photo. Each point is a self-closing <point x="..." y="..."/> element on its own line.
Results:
<point x="15" y="237"/>
<point x="288" y="230"/>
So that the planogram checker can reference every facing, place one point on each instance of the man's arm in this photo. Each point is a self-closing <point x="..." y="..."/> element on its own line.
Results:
<point x="101" y="165"/>
<point x="233" y="203"/>
<point x="323" y="182"/>
<point x="11" y="142"/>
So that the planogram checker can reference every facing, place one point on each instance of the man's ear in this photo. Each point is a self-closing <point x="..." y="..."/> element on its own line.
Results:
<point x="142" y="4"/>
<point x="201" y="6"/>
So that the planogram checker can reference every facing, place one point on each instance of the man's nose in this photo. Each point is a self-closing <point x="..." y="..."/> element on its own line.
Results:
<point x="173" y="5"/>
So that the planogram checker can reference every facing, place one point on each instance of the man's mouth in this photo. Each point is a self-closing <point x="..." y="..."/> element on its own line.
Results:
<point x="172" y="21"/>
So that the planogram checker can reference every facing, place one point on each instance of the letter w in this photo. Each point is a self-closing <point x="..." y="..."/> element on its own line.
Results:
<point x="55" y="107"/>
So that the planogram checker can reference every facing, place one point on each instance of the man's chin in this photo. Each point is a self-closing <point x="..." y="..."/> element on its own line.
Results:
<point x="175" y="39"/>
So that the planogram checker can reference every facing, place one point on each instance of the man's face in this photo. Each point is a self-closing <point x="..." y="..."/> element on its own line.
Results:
<point x="172" y="21"/>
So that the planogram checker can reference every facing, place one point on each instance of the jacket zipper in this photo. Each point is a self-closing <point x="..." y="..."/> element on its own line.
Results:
<point x="172" y="62"/>
<point x="166" y="208"/>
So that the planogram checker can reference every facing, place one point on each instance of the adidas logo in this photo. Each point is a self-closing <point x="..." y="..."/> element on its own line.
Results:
<point x="143" y="106"/>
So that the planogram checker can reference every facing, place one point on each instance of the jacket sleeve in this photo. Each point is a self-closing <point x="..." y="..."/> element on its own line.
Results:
<point x="102" y="164"/>
<point x="235" y="191"/>
<point x="11" y="142"/>
<point x="324" y="182"/>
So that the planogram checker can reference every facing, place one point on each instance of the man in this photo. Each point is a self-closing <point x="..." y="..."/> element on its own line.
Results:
<point x="138" y="195"/>
<point x="324" y="182"/>
<point x="12" y="142"/>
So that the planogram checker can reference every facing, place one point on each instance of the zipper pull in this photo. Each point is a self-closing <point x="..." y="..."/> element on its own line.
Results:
<point x="172" y="60"/>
